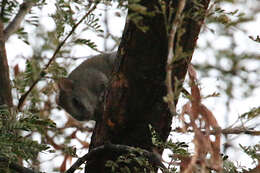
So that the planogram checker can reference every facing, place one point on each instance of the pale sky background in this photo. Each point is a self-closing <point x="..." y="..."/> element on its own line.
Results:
<point x="208" y="85"/>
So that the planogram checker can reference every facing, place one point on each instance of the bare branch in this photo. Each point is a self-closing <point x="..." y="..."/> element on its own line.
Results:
<point x="170" y="58"/>
<point x="16" y="22"/>
<point x="42" y="73"/>
<point x="227" y="131"/>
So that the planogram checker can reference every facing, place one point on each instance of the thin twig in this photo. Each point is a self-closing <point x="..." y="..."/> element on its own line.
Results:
<point x="16" y="22"/>
<point x="170" y="58"/>
<point x="42" y="73"/>
<point x="227" y="131"/>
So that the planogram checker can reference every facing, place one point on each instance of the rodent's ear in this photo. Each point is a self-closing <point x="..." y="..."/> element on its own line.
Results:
<point x="65" y="84"/>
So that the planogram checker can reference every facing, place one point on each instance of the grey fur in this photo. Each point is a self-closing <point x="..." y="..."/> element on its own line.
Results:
<point x="79" y="93"/>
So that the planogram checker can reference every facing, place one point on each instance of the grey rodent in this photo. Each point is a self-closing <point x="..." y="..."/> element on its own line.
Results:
<point x="79" y="93"/>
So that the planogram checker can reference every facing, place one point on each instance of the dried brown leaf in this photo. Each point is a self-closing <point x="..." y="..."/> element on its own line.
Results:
<point x="204" y="145"/>
<point x="16" y="70"/>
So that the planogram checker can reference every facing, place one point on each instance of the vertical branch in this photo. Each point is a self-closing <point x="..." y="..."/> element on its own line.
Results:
<point x="5" y="85"/>
<point x="107" y="28"/>
<point x="171" y="57"/>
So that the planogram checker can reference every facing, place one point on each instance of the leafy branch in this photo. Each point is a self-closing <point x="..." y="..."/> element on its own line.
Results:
<point x="43" y="71"/>
<point x="16" y="167"/>
<point x="152" y="157"/>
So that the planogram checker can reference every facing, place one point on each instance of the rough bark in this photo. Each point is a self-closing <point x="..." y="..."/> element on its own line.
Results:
<point x="5" y="87"/>
<point x="135" y="96"/>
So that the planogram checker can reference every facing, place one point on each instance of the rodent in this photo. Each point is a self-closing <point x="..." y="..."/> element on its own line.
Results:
<point x="79" y="93"/>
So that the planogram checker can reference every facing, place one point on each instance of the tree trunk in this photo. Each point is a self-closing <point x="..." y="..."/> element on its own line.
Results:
<point x="135" y="95"/>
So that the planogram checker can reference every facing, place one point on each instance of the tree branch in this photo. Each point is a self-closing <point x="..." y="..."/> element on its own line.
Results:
<point x="16" y="167"/>
<point x="228" y="131"/>
<point x="134" y="98"/>
<point x="42" y="73"/>
<point x="171" y="57"/>
<point x="16" y="22"/>
<point x="152" y="157"/>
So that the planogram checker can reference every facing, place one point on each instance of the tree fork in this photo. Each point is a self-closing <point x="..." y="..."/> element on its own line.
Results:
<point x="134" y="98"/>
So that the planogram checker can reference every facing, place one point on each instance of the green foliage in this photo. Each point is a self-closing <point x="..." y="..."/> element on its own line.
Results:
<point x="34" y="120"/>
<point x="26" y="78"/>
<point x="14" y="143"/>
<point x="156" y="140"/>
<point x="22" y="35"/>
<point x="63" y="17"/>
<point x="220" y="15"/>
<point x="57" y="71"/>
<point x="229" y="167"/>
<point x="32" y="71"/>
<point x="257" y="39"/>
<point x="177" y="148"/>
<point x="253" y="113"/>
<point x="33" y="19"/>
<point x="252" y="151"/>
<point x="135" y="159"/>
<point x="230" y="65"/>
<point x="138" y="13"/>
<point x="10" y="8"/>
<point x="71" y="151"/>
<point x="87" y="42"/>
<point x="92" y="22"/>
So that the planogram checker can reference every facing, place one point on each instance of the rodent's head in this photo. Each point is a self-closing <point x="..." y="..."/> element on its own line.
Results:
<point x="79" y="102"/>
<point x="79" y="93"/>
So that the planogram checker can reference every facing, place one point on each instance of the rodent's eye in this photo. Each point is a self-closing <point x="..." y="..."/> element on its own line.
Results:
<point x="78" y="104"/>
<point x="102" y="87"/>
